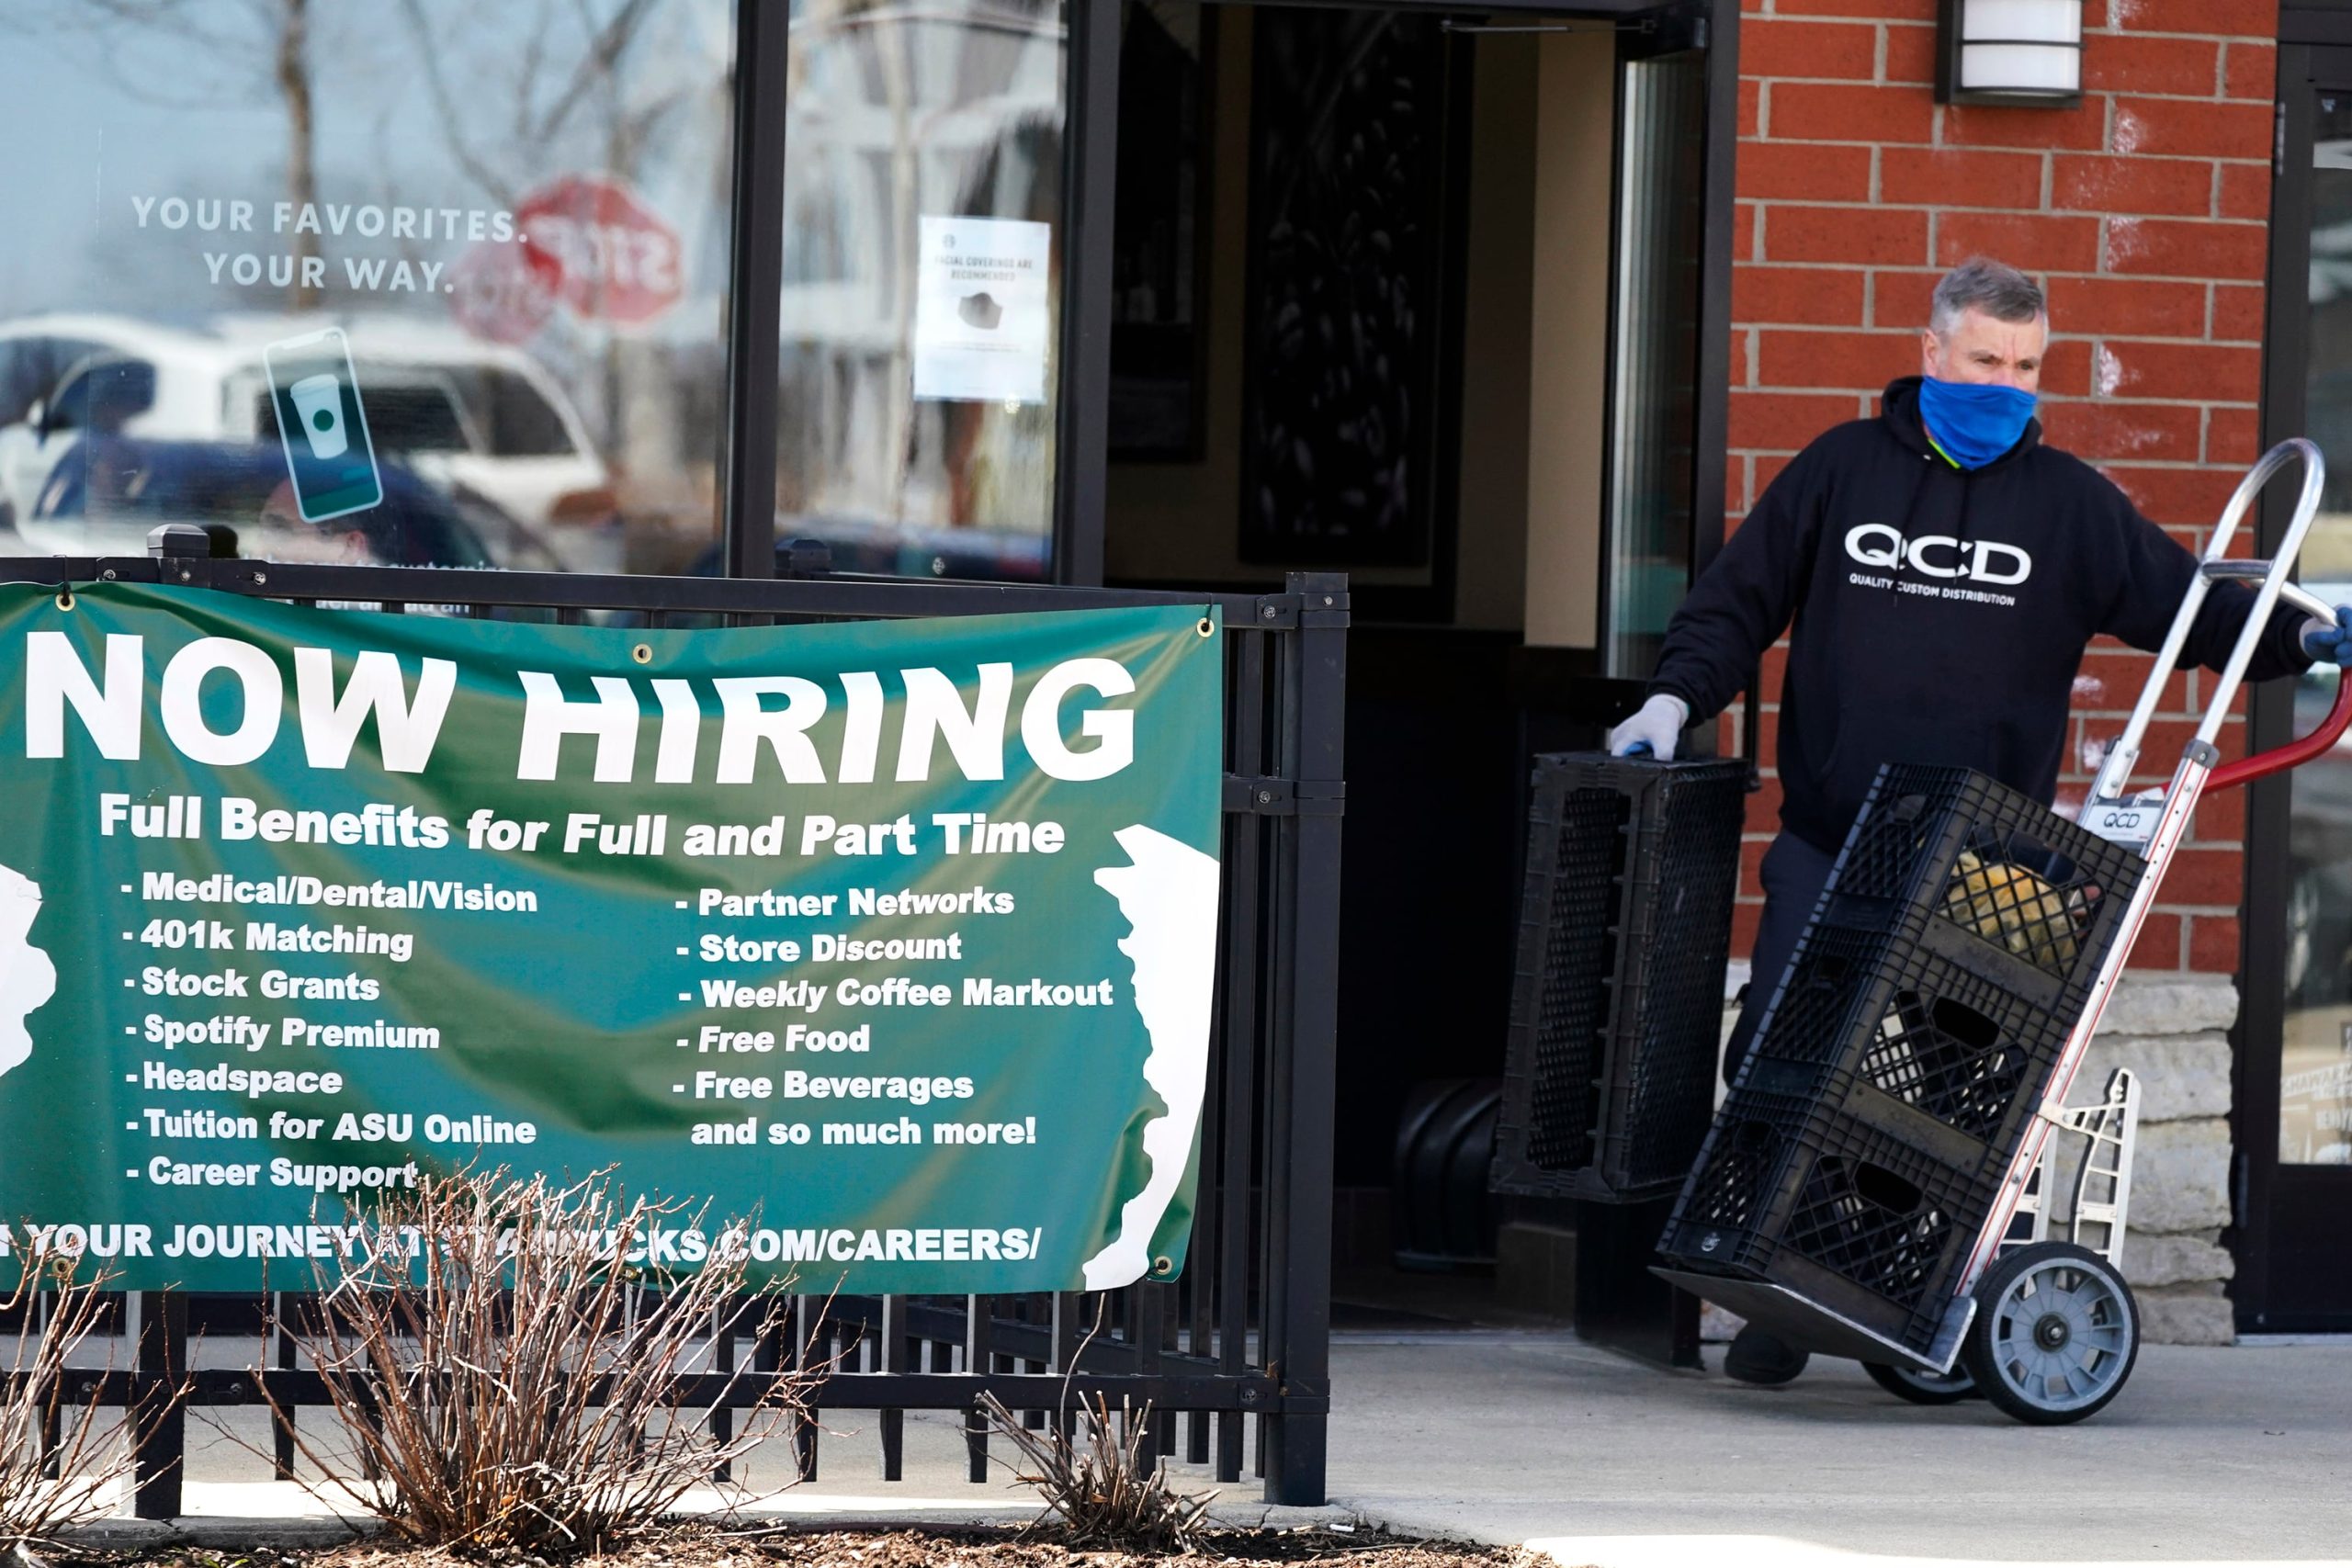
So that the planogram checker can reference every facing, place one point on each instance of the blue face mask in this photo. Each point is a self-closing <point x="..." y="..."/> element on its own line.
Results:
<point x="1974" y="423"/>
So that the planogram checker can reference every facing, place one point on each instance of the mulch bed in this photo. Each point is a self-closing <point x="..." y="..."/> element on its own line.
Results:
<point x="703" y="1547"/>
<point x="1239" y="1548"/>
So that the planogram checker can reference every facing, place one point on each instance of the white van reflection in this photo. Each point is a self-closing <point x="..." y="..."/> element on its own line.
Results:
<point x="465" y="416"/>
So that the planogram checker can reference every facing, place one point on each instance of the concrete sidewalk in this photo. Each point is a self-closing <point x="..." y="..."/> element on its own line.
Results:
<point x="2211" y="1455"/>
<point x="2238" y="1454"/>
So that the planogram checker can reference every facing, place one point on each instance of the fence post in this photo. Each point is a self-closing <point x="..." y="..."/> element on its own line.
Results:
<point x="722" y="1360"/>
<point x="1305" y="1014"/>
<point x="891" y="1357"/>
<point x="159" y="1418"/>
<point x="281" y="1420"/>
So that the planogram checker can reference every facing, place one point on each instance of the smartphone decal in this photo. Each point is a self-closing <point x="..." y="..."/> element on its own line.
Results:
<point x="321" y="425"/>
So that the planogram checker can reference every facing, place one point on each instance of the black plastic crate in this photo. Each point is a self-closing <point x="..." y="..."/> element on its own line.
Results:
<point x="1632" y="866"/>
<point x="1900" y="1036"/>
<point x="1904" y="1051"/>
<point x="1990" y="879"/>
<point x="1792" y="1193"/>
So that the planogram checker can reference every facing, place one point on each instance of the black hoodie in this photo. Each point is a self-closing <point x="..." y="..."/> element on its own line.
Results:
<point x="1941" y="615"/>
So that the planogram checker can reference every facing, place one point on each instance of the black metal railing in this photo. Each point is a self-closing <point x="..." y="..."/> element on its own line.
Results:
<point x="1243" y="1334"/>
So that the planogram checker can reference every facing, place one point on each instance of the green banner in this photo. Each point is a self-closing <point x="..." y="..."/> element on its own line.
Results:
<point x="897" y="938"/>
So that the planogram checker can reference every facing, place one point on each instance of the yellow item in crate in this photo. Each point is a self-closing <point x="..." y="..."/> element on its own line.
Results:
<point x="2009" y="905"/>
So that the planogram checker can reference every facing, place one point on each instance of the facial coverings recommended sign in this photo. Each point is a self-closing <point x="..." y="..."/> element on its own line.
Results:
<point x="897" y="937"/>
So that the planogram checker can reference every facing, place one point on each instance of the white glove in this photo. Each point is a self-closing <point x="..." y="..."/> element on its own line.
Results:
<point x="1658" y="726"/>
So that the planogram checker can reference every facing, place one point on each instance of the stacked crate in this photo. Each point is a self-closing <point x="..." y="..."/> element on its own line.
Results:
<point x="1617" y="1006"/>
<point x="1905" y="1051"/>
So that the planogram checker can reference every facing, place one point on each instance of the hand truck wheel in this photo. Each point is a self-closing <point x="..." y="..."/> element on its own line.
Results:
<point x="1922" y="1388"/>
<point x="2056" y="1334"/>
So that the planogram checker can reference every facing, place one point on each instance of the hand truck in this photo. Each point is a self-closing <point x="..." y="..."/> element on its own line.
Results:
<point x="2047" y="1330"/>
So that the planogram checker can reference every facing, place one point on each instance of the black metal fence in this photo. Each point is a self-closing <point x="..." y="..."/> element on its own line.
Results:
<point x="1243" y="1334"/>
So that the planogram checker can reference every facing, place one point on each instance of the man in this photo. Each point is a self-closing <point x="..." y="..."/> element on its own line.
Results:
<point x="1945" y="570"/>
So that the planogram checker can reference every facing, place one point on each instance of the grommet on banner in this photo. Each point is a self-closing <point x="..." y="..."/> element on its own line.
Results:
<point x="65" y="598"/>
<point x="1207" y="626"/>
<point x="641" y="653"/>
<point x="1163" y="1266"/>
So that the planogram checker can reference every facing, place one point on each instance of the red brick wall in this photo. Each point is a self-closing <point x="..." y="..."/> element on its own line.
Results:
<point x="2144" y="212"/>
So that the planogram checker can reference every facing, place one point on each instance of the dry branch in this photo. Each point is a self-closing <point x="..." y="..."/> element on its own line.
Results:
<point x="509" y="1381"/>
<point x="1093" y="1473"/>
<point x="61" y="1455"/>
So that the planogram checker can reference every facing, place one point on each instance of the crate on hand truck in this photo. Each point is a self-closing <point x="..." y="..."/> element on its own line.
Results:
<point x="1633" y="867"/>
<point x="1875" y="1185"/>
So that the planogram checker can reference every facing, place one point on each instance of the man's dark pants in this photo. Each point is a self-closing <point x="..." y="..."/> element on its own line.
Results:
<point x="1793" y="875"/>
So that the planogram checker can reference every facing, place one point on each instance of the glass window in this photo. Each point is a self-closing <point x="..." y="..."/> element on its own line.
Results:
<point x="1654" y="392"/>
<point x="2315" y="1091"/>
<point x="921" y="300"/>
<point x="470" y="259"/>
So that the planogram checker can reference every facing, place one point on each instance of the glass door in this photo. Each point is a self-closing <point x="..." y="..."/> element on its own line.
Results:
<point x="925" y="256"/>
<point x="2294" y="1102"/>
<point x="1657" y="301"/>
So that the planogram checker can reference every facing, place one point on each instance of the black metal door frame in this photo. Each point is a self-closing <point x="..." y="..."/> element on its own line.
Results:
<point x="1090" y="139"/>
<point x="755" y="284"/>
<point x="755" y="288"/>
<point x="2282" y="1215"/>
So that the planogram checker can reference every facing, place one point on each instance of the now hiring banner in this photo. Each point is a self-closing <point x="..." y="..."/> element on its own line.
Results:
<point x="889" y="946"/>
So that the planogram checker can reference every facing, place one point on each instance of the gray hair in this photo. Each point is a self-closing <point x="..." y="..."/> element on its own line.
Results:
<point x="1980" y="283"/>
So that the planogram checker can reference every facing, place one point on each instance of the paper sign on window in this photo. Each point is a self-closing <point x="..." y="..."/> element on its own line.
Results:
<point x="982" y="322"/>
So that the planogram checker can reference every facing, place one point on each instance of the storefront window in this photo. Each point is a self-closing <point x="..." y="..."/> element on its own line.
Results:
<point x="469" y="259"/>
<point x="2316" y="1088"/>
<point x="922" y="264"/>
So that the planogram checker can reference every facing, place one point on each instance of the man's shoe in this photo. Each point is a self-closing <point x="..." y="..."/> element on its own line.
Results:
<point x="1759" y="1358"/>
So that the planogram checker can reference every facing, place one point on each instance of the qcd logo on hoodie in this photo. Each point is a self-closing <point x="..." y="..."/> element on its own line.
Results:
<point x="1939" y="555"/>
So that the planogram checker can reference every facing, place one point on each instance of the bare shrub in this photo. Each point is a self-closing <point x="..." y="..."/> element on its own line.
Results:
<point x="61" y="1454"/>
<point x="1093" y="1477"/>
<point x="1092" y="1473"/>
<point x="509" y="1381"/>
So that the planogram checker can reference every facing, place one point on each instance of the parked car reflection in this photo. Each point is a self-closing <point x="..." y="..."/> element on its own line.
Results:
<point x="463" y="415"/>
<point x="107" y="492"/>
<point x="863" y="545"/>
<point x="857" y="548"/>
